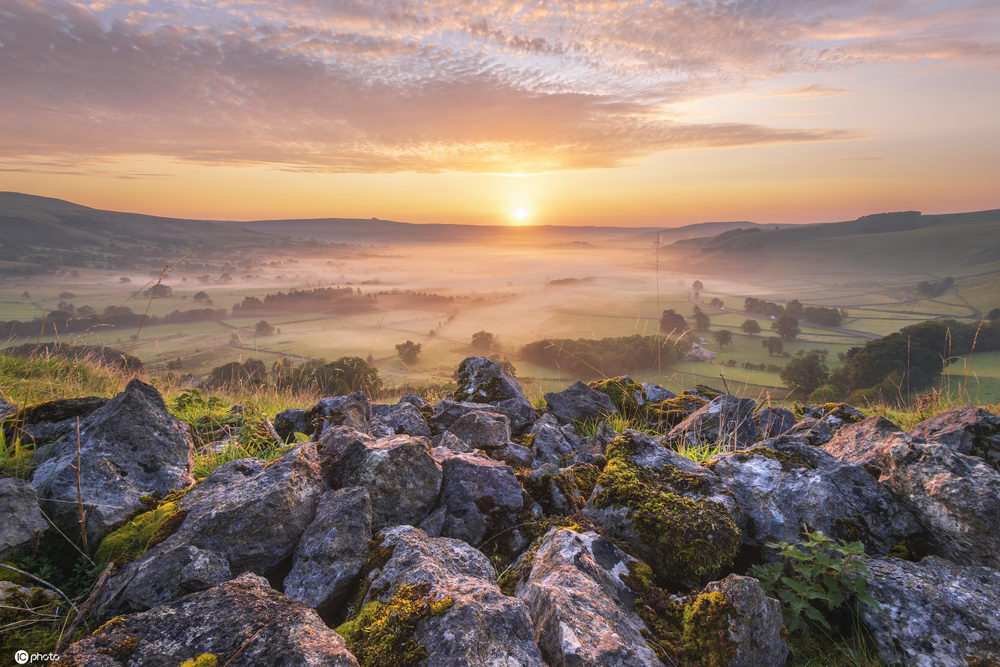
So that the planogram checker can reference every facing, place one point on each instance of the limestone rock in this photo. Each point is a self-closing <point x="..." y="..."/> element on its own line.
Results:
<point x="579" y="403"/>
<point x="22" y="518"/>
<point x="969" y="430"/>
<point x="725" y="419"/>
<point x="481" y="429"/>
<point x="481" y="497"/>
<point x="483" y="381"/>
<point x="756" y="625"/>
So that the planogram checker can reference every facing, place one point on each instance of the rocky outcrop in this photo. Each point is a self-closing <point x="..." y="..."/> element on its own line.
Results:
<point x="480" y="497"/>
<point x="726" y="420"/>
<point x="784" y="486"/>
<point x="861" y="442"/>
<point x="559" y="444"/>
<point x="22" y="518"/>
<point x="247" y="516"/>
<point x="969" y="430"/>
<point x="45" y="423"/>
<point x="668" y="509"/>
<point x="243" y="622"/>
<point x="351" y="410"/>
<point x="480" y="429"/>
<point x="583" y="612"/>
<point x="755" y="628"/>
<point x="402" y="478"/>
<point x="933" y="612"/>
<point x="561" y="491"/>
<point x="579" y="403"/>
<point x="436" y="601"/>
<point x="403" y="418"/>
<point x="774" y="421"/>
<point x="483" y="381"/>
<point x="447" y="411"/>
<point x="129" y="448"/>
<point x="332" y="551"/>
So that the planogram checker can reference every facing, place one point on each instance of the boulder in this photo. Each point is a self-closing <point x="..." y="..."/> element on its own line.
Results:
<point x="482" y="497"/>
<point x="247" y="516"/>
<point x="583" y="612"/>
<point x="436" y="601"/>
<point x="402" y="478"/>
<point x="817" y="432"/>
<point x="726" y="420"/>
<point x="22" y="518"/>
<point x="561" y="491"/>
<point x="784" y="486"/>
<point x="774" y="421"/>
<point x="351" y="410"/>
<point x="969" y="430"/>
<point x="933" y="612"/>
<point x="560" y="445"/>
<point x="7" y="409"/>
<point x="403" y="418"/>
<point x="754" y="629"/>
<point x="480" y="429"/>
<point x="837" y="414"/>
<point x="447" y="444"/>
<point x="668" y="509"/>
<point x="515" y="455"/>
<point x="416" y="401"/>
<point x="243" y="622"/>
<point x="579" y="403"/>
<point x="483" y="381"/>
<point x="332" y="551"/>
<point x="654" y="393"/>
<point x="447" y="411"/>
<point x="860" y="442"/>
<point x="130" y="447"/>
<point x="956" y="499"/>
<point x="289" y="422"/>
<point x="45" y="423"/>
<point x="334" y="442"/>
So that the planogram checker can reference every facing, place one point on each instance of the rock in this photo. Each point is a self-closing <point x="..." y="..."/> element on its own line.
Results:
<point x="447" y="411"/>
<point x="726" y="420"/>
<point x="654" y="393"/>
<point x="289" y="422"/>
<point x="6" y="409"/>
<point x="483" y="381"/>
<point x="403" y="418"/>
<point x="130" y="447"/>
<point x="956" y="499"/>
<point x="23" y="521"/>
<point x="561" y="491"/>
<point x="46" y="423"/>
<point x="667" y="508"/>
<point x="482" y="497"/>
<point x="755" y="625"/>
<point x="560" y="445"/>
<point x="402" y="478"/>
<point x="699" y="353"/>
<point x="625" y="393"/>
<point x="439" y="600"/>
<point x="784" y="486"/>
<point x="332" y="551"/>
<point x="351" y="410"/>
<point x="334" y="442"/>
<point x="579" y="403"/>
<point x="243" y="622"/>
<point x="482" y="430"/>
<point x="860" y="442"/>
<point x="969" y="430"/>
<point x="582" y="611"/>
<point x="816" y="432"/>
<point x="774" y="421"/>
<point x="247" y="515"/>
<point x="515" y="455"/>
<point x="416" y="401"/>
<point x="933" y="612"/>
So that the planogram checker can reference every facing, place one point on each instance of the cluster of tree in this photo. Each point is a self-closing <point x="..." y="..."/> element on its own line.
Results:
<point x="296" y="300"/>
<point x="418" y="298"/>
<point x="484" y="342"/>
<point x="829" y="317"/>
<point x="910" y="359"/>
<point x="408" y="351"/>
<point x="327" y="378"/>
<point x="588" y="357"/>
<point x="930" y="289"/>
<point x="774" y="346"/>
<point x="749" y="365"/>
<point x="76" y="320"/>
<point x="806" y="372"/>
<point x="107" y="356"/>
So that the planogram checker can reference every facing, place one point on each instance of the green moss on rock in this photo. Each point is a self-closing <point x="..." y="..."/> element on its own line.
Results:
<point x="623" y="391"/>
<point x="672" y="411"/>
<point x="706" y="630"/>
<point x="203" y="660"/>
<point x="382" y="634"/>
<point x="141" y="533"/>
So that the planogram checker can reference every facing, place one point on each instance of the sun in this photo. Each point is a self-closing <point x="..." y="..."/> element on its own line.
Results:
<point x="520" y="215"/>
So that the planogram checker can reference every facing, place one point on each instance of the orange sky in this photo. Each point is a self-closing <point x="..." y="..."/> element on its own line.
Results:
<point x="620" y="113"/>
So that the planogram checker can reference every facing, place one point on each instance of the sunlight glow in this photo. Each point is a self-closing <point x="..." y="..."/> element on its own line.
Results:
<point x="520" y="215"/>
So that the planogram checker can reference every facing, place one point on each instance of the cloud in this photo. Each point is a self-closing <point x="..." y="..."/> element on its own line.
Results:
<point x="359" y="85"/>
<point x="812" y="90"/>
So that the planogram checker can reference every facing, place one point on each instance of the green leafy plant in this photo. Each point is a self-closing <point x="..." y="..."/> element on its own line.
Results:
<point x="816" y="570"/>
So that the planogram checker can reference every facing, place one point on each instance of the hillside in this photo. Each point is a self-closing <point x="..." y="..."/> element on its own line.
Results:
<point x="906" y="242"/>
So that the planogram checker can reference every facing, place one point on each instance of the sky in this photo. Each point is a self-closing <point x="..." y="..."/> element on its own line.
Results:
<point x="562" y="112"/>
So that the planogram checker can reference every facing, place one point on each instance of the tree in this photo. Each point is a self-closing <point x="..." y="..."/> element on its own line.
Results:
<point x="697" y="286"/>
<point x="673" y="323"/>
<point x="794" y="309"/>
<point x="774" y="346"/>
<point x="806" y="371"/>
<point x="408" y="351"/>
<point x="701" y="320"/>
<point x="159" y="291"/>
<point x="993" y="314"/>
<point x="201" y="295"/>
<point x="723" y="337"/>
<point x="750" y="327"/>
<point x="716" y="302"/>
<point x="124" y="279"/>
<point x="484" y="341"/>
<point x="786" y="327"/>
<point x="263" y="328"/>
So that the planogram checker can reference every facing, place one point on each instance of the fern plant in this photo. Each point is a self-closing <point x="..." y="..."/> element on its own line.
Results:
<point x="816" y="570"/>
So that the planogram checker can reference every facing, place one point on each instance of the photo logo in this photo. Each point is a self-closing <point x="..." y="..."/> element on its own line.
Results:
<point x="21" y="657"/>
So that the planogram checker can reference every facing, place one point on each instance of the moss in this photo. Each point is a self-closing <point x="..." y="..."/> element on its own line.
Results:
<point x="661" y="613"/>
<point x="525" y="440"/>
<point x="685" y="539"/>
<point x="203" y="660"/>
<point x="33" y="620"/>
<point x="672" y="411"/>
<point x="902" y="551"/>
<point x="123" y="650"/>
<point x="586" y="475"/>
<point x="841" y="411"/>
<point x="623" y="391"/>
<point x="382" y="634"/>
<point x="140" y="533"/>
<point x="703" y="391"/>
<point x="109" y="625"/>
<point x="787" y="461"/>
<point x="519" y="571"/>
<point x="706" y="630"/>
<point x="378" y="556"/>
